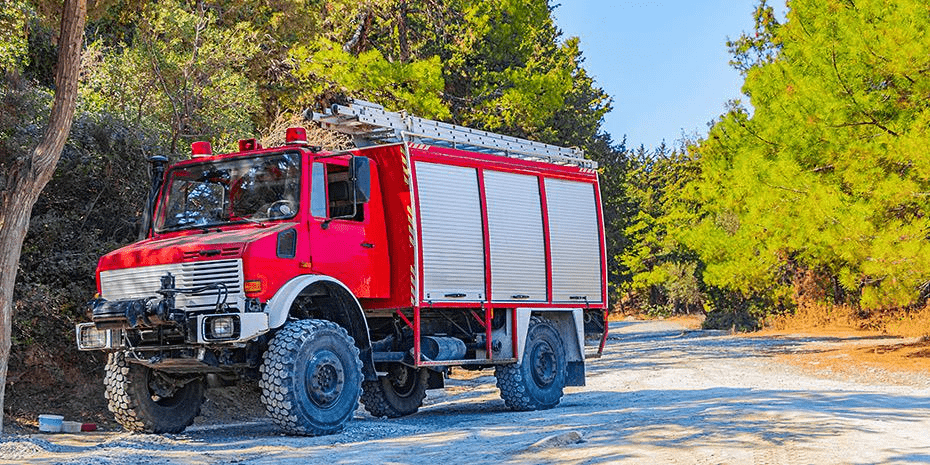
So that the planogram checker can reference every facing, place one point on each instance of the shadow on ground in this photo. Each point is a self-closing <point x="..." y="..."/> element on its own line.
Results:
<point x="617" y="423"/>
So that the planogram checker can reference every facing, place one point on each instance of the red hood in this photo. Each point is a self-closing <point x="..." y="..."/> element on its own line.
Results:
<point x="188" y="247"/>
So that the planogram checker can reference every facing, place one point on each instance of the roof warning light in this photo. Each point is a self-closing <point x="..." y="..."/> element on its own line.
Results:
<point x="296" y="136"/>
<point x="201" y="149"/>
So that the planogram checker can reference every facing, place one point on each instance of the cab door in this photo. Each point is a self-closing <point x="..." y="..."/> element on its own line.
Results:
<point x="347" y="239"/>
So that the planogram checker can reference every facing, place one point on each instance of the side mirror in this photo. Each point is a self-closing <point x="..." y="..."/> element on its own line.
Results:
<point x="360" y="175"/>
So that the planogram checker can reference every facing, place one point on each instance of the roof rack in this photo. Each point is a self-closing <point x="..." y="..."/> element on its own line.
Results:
<point x="369" y="123"/>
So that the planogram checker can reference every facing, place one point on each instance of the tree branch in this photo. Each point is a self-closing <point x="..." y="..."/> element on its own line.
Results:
<point x="852" y="97"/>
<point x="358" y="38"/>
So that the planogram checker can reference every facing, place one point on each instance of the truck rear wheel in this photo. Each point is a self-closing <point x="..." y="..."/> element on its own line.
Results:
<point x="143" y="400"/>
<point x="398" y="394"/>
<point x="536" y="383"/>
<point x="311" y="377"/>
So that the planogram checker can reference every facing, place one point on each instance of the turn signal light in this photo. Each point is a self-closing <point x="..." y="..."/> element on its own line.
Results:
<point x="252" y="286"/>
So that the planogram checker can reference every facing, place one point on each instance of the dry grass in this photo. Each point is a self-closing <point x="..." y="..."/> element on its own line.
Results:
<point x="692" y="321"/>
<point x="689" y="321"/>
<point x="815" y="315"/>
<point x="846" y="323"/>
<point x="812" y="315"/>
<point x="329" y="140"/>
<point x="909" y="324"/>
<point x="858" y="361"/>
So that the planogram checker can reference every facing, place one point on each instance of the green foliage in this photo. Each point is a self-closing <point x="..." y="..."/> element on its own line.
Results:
<point x="183" y="73"/>
<point x="415" y="86"/>
<point x="828" y="172"/>
<point x="74" y="221"/>
<point x="577" y="121"/>
<point x="14" y="45"/>
<point x="664" y="275"/>
<point x="23" y="109"/>
<point x="761" y="47"/>
<point x="506" y="71"/>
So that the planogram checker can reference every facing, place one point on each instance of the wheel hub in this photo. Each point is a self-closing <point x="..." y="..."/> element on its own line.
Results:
<point x="325" y="378"/>
<point x="163" y="388"/>
<point x="403" y="380"/>
<point x="544" y="364"/>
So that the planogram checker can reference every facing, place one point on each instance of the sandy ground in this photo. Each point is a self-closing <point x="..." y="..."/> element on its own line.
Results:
<point x="661" y="394"/>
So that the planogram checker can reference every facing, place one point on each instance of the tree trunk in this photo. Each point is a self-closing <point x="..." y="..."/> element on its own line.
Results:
<point x="27" y="176"/>
<point x="356" y="44"/>
<point x="402" y="31"/>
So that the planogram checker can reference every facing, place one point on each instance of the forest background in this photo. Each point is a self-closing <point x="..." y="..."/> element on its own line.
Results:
<point x="809" y="197"/>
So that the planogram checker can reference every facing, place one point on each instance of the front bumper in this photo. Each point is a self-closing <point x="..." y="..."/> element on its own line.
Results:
<point x="221" y="328"/>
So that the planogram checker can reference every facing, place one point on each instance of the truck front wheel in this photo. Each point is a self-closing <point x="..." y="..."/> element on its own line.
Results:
<point x="143" y="400"/>
<point x="399" y="393"/>
<point x="537" y="382"/>
<point x="311" y="377"/>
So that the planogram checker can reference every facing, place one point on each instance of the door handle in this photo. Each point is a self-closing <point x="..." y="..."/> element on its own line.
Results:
<point x="368" y="245"/>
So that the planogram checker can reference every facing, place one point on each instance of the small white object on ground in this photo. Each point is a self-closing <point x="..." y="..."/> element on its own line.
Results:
<point x="71" y="427"/>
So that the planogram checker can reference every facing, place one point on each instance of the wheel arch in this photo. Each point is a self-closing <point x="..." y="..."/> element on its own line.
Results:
<point x="342" y="308"/>
<point x="569" y="323"/>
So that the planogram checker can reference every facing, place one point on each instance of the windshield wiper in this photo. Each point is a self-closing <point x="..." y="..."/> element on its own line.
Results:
<point x="179" y="227"/>
<point x="246" y="219"/>
<point x="203" y="227"/>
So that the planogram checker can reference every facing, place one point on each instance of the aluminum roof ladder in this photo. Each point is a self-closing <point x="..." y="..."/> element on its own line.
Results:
<point x="369" y="123"/>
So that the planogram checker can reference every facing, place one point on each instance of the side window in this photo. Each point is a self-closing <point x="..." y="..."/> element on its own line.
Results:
<point x="331" y="195"/>
<point x="318" y="193"/>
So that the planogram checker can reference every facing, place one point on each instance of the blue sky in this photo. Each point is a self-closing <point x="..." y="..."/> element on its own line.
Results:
<point x="665" y="63"/>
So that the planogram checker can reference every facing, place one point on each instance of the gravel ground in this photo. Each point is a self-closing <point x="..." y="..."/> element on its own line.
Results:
<point x="660" y="394"/>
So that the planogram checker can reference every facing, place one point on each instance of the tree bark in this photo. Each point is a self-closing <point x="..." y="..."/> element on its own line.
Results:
<point x="402" y="31"/>
<point x="356" y="44"/>
<point x="28" y="175"/>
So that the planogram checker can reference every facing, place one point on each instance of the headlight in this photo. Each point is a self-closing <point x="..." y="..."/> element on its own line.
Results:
<point x="221" y="327"/>
<point x="91" y="338"/>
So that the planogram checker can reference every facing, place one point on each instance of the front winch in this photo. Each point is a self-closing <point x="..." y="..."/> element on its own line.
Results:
<point x="129" y="313"/>
<point x="151" y="312"/>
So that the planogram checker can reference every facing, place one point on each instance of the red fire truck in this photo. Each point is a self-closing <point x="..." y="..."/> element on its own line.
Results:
<point x="334" y="277"/>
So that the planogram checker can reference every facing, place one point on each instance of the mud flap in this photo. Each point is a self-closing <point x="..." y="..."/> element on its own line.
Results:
<point x="436" y="380"/>
<point x="574" y="374"/>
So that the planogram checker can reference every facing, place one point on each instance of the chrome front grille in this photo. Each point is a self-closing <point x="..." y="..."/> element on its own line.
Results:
<point x="133" y="283"/>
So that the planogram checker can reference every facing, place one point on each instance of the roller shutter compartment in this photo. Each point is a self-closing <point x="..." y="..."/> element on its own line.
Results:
<point x="451" y="233"/>
<point x="574" y="241"/>
<point x="515" y="227"/>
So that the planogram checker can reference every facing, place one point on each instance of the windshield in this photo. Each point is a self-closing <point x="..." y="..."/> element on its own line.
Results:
<point x="230" y="191"/>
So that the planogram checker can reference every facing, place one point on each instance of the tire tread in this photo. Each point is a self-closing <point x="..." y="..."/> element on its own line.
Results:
<point x="512" y="382"/>
<point x="128" y="410"/>
<point x="278" y="371"/>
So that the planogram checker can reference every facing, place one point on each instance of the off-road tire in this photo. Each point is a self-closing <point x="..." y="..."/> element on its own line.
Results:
<point x="311" y="377"/>
<point x="398" y="394"/>
<point x="136" y="408"/>
<point x="537" y="382"/>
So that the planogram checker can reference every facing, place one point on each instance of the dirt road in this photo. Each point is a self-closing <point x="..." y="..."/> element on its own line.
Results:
<point x="661" y="394"/>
